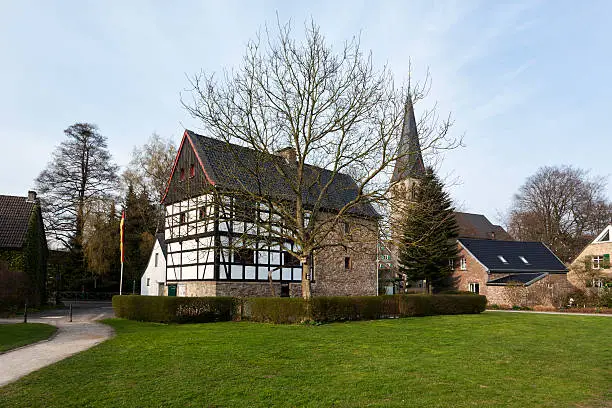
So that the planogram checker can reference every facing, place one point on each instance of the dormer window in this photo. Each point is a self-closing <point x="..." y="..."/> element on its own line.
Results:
<point x="182" y="174"/>
<point x="502" y="259"/>
<point x="525" y="261"/>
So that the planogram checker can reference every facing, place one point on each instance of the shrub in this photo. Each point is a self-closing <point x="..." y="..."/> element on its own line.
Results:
<point x="276" y="310"/>
<point x="292" y="310"/>
<point x="165" y="309"/>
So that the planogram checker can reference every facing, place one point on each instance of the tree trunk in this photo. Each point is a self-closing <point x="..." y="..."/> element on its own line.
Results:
<point x="305" y="278"/>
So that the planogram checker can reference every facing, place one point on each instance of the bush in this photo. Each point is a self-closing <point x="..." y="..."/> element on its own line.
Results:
<point x="276" y="310"/>
<point x="164" y="309"/>
<point x="292" y="310"/>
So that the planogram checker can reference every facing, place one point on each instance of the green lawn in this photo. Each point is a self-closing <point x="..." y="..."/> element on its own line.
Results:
<point x="20" y="334"/>
<point x="493" y="360"/>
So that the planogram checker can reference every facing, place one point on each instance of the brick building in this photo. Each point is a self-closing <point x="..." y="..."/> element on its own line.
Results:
<point x="223" y="242"/>
<point x="510" y="273"/>
<point x="591" y="268"/>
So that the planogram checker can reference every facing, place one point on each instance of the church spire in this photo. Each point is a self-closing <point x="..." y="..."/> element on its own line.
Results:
<point x="410" y="162"/>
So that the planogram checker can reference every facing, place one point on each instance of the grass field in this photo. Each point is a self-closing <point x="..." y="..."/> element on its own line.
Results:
<point x="20" y="334"/>
<point x="492" y="360"/>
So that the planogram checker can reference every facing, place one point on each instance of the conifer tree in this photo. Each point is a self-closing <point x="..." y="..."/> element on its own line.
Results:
<point x="429" y="233"/>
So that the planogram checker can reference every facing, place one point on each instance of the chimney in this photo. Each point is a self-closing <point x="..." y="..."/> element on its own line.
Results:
<point x="31" y="196"/>
<point x="288" y="153"/>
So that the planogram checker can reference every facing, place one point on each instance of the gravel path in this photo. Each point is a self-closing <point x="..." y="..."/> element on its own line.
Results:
<point x="553" y="313"/>
<point x="71" y="338"/>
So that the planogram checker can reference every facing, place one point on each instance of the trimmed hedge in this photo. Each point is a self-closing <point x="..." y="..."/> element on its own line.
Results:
<point x="292" y="310"/>
<point x="164" y="309"/>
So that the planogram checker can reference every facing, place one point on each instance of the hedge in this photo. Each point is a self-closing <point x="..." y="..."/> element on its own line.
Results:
<point x="292" y="310"/>
<point x="164" y="309"/>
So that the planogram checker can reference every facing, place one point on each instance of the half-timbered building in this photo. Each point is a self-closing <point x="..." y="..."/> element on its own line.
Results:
<point x="221" y="242"/>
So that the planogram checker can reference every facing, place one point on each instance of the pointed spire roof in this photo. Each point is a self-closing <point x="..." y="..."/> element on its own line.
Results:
<point x="410" y="164"/>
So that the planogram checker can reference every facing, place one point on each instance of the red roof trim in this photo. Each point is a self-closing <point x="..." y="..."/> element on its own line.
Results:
<point x="178" y="154"/>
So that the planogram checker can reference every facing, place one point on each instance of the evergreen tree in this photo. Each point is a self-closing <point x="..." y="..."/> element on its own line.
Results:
<point x="429" y="235"/>
<point x="140" y="223"/>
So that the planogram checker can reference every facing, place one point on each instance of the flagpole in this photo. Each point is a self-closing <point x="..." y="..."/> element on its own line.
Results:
<point x="121" y="233"/>
<point x="121" y="279"/>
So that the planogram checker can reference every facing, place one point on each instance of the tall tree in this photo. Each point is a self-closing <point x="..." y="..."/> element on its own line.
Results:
<point x="430" y="232"/>
<point x="102" y="243"/>
<point x="80" y="171"/>
<point x="333" y="109"/>
<point x="563" y="206"/>
<point x="139" y="233"/>
<point x="149" y="170"/>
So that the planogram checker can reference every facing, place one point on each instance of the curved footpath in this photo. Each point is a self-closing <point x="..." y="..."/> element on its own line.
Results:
<point x="71" y="338"/>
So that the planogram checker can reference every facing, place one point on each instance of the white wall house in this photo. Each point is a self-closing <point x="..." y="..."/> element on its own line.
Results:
<point x="154" y="278"/>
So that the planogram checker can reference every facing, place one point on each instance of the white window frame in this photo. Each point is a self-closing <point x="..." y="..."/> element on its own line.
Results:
<point x="597" y="261"/>
<point x="525" y="261"/>
<point x="463" y="263"/>
<point x="472" y="287"/>
<point x="502" y="259"/>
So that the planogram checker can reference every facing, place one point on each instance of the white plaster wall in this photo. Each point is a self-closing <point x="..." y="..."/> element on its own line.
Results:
<point x="154" y="274"/>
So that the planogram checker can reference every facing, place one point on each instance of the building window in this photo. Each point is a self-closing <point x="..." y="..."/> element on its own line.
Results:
<point x="598" y="261"/>
<point x="182" y="218"/>
<point x="475" y="287"/>
<point x="525" y="261"/>
<point x="463" y="264"/>
<point x="501" y="258"/>
<point x="347" y="262"/>
<point x="202" y="213"/>
<point x="451" y="264"/>
<point x="192" y="171"/>
<point x="290" y="260"/>
<point x="156" y="261"/>
<point x="182" y="174"/>
<point x="149" y="280"/>
<point x="244" y="256"/>
<point x="347" y="228"/>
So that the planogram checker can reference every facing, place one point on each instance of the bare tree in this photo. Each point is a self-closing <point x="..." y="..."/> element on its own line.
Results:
<point x="329" y="110"/>
<point x="150" y="168"/>
<point x="564" y="207"/>
<point x="80" y="172"/>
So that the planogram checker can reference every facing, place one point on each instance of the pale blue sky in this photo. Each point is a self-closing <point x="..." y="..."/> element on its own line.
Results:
<point x="528" y="83"/>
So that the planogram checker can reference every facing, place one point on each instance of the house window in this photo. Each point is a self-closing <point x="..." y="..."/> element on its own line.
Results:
<point x="462" y="263"/>
<point x="202" y="213"/>
<point x="598" y="262"/>
<point x="525" y="261"/>
<point x="347" y="262"/>
<point x="475" y="287"/>
<point x="347" y="228"/>
<point x="451" y="264"/>
<point x="244" y="256"/>
<point x="290" y="260"/>
<point x="182" y="218"/>
<point x="501" y="258"/>
<point x="156" y="261"/>
<point x="149" y="279"/>
<point x="191" y="171"/>
<point x="182" y="176"/>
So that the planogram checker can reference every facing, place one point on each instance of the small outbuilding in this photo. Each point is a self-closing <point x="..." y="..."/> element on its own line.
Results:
<point x="154" y="278"/>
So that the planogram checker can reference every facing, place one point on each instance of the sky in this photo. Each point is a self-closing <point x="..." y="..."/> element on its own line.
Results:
<point x="527" y="83"/>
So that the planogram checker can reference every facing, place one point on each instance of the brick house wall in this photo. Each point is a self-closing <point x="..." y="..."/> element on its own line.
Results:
<point x="577" y="275"/>
<point x="474" y="272"/>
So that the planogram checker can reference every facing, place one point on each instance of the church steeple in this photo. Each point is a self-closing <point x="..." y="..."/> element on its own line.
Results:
<point x="410" y="163"/>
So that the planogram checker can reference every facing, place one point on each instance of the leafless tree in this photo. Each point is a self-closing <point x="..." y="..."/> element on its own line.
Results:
<point x="564" y="207"/>
<point x="150" y="168"/>
<point x="337" y="112"/>
<point x="80" y="172"/>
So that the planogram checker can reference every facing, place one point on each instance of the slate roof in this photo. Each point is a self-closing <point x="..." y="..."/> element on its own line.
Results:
<point x="478" y="226"/>
<point x="525" y="278"/>
<point x="410" y="164"/>
<point x="539" y="257"/>
<point x="14" y="220"/>
<point x="237" y="168"/>
<point x="160" y="236"/>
